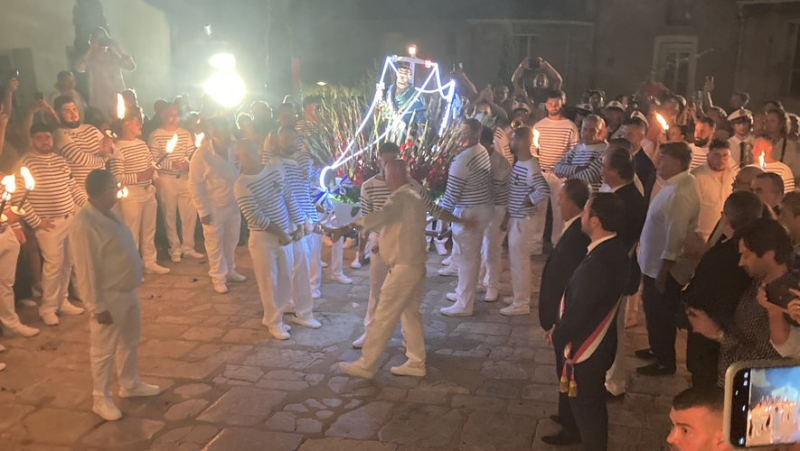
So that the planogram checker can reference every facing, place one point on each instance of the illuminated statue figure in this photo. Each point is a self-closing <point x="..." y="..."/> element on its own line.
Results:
<point x="401" y="96"/>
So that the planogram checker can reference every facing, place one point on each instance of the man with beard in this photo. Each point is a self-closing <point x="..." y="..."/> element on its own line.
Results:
<point x="585" y="161"/>
<point x="704" y="131"/>
<point x="556" y="135"/>
<point x="83" y="146"/>
<point x="714" y="184"/>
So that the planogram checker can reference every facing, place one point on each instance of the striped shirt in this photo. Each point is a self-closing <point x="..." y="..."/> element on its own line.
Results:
<point x="182" y="152"/>
<point x="264" y="199"/>
<point x="303" y="193"/>
<point x="133" y="157"/>
<point x="526" y="182"/>
<point x="469" y="181"/>
<point x="784" y="171"/>
<point x="374" y="193"/>
<point x="699" y="156"/>
<point x="555" y="139"/>
<point x="56" y="192"/>
<point x="584" y="162"/>
<point x="80" y="147"/>
<point x="501" y="171"/>
<point x="502" y="144"/>
<point x="293" y="178"/>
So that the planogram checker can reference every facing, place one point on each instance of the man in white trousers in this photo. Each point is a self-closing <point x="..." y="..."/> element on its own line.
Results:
<point x="11" y="237"/>
<point x="109" y="270"/>
<point x="469" y="196"/>
<point x="492" y="249"/>
<point x="269" y="209"/>
<point x="300" y="300"/>
<point x="212" y="174"/>
<point x="136" y="171"/>
<point x="49" y="210"/>
<point x="401" y="223"/>
<point x="173" y="187"/>
<point x="528" y="192"/>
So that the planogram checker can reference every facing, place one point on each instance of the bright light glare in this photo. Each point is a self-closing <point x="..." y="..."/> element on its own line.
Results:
<point x="226" y="88"/>
<point x="412" y="50"/>
<point x="222" y="61"/>
<point x="321" y="83"/>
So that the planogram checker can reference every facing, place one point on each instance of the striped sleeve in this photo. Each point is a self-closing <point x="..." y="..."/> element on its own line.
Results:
<point x="366" y="201"/>
<point x="565" y="168"/>
<point x="292" y="190"/>
<point x="256" y="219"/>
<point x="541" y="189"/>
<point x="593" y="173"/>
<point x="453" y="191"/>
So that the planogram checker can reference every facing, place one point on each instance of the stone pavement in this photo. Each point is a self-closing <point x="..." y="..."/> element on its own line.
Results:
<point x="228" y="386"/>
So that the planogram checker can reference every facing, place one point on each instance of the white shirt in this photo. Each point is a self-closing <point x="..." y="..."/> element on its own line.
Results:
<point x="106" y="257"/>
<point x="712" y="192"/>
<point x="790" y="349"/>
<point x="596" y="243"/>
<point x="671" y="217"/>
<point x="211" y="179"/>
<point x="401" y="223"/>
<point x="736" y="149"/>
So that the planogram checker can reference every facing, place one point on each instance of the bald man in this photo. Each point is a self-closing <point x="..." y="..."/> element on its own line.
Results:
<point x="585" y="161"/>
<point x="401" y="245"/>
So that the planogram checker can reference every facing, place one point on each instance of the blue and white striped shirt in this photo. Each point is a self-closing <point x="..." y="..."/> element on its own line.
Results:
<point x="584" y="162"/>
<point x="265" y="199"/>
<point x="469" y="181"/>
<point x="526" y="182"/>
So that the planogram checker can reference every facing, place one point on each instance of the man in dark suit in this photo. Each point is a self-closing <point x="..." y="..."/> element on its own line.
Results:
<point x="585" y="334"/>
<point x="568" y="253"/>
<point x="618" y="178"/>
<point x="718" y="284"/>
<point x="635" y="131"/>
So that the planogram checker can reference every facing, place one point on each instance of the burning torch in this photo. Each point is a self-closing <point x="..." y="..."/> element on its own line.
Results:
<point x="9" y="183"/>
<point x="29" y="184"/>
<point x="169" y="149"/>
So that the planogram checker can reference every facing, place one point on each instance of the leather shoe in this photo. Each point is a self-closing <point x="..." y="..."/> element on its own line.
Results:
<point x="655" y="369"/>
<point x="561" y="439"/>
<point x="555" y="419"/>
<point x="645" y="354"/>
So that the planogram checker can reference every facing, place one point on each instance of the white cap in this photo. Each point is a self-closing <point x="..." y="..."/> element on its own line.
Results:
<point x="615" y="104"/>
<point x="584" y="107"/>
<point x="741" y="113"/>
<point x="639" y="115"/>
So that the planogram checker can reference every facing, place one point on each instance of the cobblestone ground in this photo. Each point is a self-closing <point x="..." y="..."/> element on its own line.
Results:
<point x="228" y="386"/>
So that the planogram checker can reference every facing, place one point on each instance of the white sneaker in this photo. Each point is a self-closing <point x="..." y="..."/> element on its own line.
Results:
<point x="23" y="330"/>
<point x="491" y="295"/>
<point x="309" y="323"/>
<point x="359" y="342"/>
<point x="105" y="409"/>
<point x="448" y="271"/>
<point x="447" y="261"/>
<point x="50" y="318"/>
<point x="279" y="333"/>
<point x="220" y="288"/>
<point x="407" y="369"/>
<point x="354" y="370"/>
<point x="513" y="310"/>
<point x="316" y="294"/>
<point x="139" y="390"/>
<point x="67" y="308"/>
<point x="193" y="254"/>
<point x="235" y="277"/>
<point x="175" y="258"/>
<point x="356" y="264"/>
<point x="155" y="268"/>
<point x="342" y="279"/>
<point x="441" y="249"/>
<point x="286" y="327"/>
<point x="451" y="297"/>
<point x="454" y="311"/>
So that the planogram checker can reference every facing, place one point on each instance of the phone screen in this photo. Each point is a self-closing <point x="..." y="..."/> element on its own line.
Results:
<point x="765" y="409"/>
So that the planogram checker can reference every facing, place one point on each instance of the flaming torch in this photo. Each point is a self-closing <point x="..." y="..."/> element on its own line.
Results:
<point x="662" y="122"/>
<point x="198" y="140"/>
<point x="761" y="162"/>
<point x="29" y="184"/>
<point x="9" y="183"/>
<point x="170" y="147"/>
<point x="120" y="107"/>
<point x="122" y="191"/>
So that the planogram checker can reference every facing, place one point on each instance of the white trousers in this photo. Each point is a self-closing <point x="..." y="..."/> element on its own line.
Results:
<point x="616" y="381"/>
<point x="540" y="216"/>
<point x="519" y="258"/>
<point x="9" y="252"/>
<point x="175" y="199"/>
<point x="119" y="339"/>
<point x="139" y="211"/>
<point x="400" y="298"/>
<point x="492" y="249"/>
<point x="313" y="248"/>
<point x="221" y="237"/>
<point x="378" y="270"/>
<point x="337" y="256"/>
<point x="468" y="259"/>
<point x="300" y="295"/>
<point x="56" y="265"/>
<point x="272" y="264"/>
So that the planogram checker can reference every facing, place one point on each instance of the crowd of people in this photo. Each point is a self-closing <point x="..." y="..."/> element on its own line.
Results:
<point x="683" y="205"/>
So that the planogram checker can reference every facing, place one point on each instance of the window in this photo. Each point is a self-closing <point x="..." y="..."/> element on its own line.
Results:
<point x="675" y="61"/>
<point x="525" y="45"/>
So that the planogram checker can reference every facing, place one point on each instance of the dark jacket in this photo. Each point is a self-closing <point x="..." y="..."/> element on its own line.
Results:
<point x="595" y="288"/>
<point x="635" y="214"/>
<point x="646" y="171"/>
<point x="561" y="263"/>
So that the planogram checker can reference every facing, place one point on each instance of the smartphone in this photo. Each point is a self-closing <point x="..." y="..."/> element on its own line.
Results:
<point x="778" y="293"/>
<point x="12" y="74"/>
<point x="762" y="403"/>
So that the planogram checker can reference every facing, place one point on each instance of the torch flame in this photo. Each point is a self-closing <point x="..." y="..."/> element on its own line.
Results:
<point x="120" y="107"/>
<point x="28" y="177"/>
<point x="172" y="143"/>
<point x="122" y="191"/>
<point x="761" y="161"/>
<point x="198" y="140"/>
<point x="9" y="183"/>
<point x="535" y="138"/>
<point x="662" y="122"/>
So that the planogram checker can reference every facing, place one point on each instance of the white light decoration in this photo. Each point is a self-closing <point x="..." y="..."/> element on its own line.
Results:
<point x="225" y="86"/>
<point x="412" y="51"/>
<point x="322" y="83"/>
<point x="432" y="85"/>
